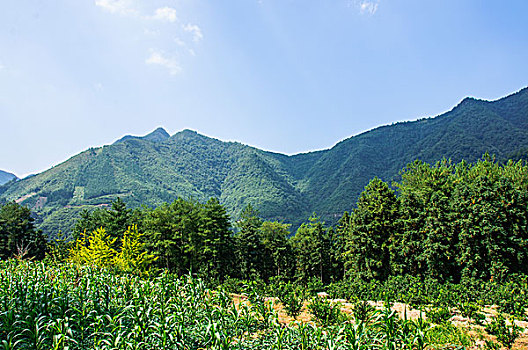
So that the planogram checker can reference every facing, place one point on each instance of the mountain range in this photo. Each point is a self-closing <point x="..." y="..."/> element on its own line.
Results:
<point x="158" y="168"/>
<point x="5" y="177"/>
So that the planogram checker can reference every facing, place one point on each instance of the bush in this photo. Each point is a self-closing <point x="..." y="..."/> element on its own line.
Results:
<point x="291" y="297"/>
<point x="506" y="334"/>
<point x="439" y="315"/>
<point x="326" y="312"/>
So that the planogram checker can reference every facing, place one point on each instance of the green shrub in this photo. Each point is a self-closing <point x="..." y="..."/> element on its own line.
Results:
<point x="506" y="333"/>
<point x="326" y="312"/>
<point x="291" y="297"/>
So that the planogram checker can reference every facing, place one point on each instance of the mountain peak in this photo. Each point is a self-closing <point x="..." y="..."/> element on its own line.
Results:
<point x="158" y="135"/>
<point x="6" y="177"/>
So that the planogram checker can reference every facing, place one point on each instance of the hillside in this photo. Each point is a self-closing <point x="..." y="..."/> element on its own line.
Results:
<point x="6" y="177"/>
<point x="157" y="168"/>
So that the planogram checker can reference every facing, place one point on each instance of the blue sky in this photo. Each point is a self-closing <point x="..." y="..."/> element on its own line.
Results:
<point x="284" y="75"/>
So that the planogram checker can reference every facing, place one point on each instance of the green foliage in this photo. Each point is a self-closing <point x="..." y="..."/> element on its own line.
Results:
<point x="505" y="333"/>
<point x="312" y="248"/>
<point x="362" y="310"/>
<point x="372" y="224"/>
<point x="249" y="243"/>
<point x="426" y="243"/>
<point x="18" y="235"/>
<point x="326" y="312"/>
<point x="86" y="307"/>
<point x="58" y="250"/>
<point x="439" y="315"/>
<point x="291" y="297"/>
<point x="132" y="257"/>
<point x="156" y="169"/>
<point x="472" y="311"/>
<point x="190" y="236"/>
<point x="512" y="296"/>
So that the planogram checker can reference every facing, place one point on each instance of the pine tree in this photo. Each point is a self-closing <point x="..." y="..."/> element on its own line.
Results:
<point x="372" y="227"/>
<point x="18" y="235"/>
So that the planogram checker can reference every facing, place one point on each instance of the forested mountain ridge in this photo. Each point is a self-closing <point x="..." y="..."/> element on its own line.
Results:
<point x="6" y="177"/>
<point x="157" y="168"/>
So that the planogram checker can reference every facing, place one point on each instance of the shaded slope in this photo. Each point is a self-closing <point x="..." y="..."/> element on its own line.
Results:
<point x="466" y="132"/>
<point x="5" y="177"/>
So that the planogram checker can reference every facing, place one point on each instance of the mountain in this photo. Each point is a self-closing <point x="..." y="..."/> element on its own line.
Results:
<point x="158" y="168"/>
<point x="6" y="177"/>
<point x="158" y="135"/>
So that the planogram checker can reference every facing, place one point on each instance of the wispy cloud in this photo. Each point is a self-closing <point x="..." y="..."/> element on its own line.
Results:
<point x="368" y="7"/>
<point x="195" y="30"/>
<point x="158" y="23"/>
<point x="159" y="58"/>
<point x="122" y="7"/>
<point x="165" y="14"/>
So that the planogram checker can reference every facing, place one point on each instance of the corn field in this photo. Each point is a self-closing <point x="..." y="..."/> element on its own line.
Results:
<point x="80" y="307"/>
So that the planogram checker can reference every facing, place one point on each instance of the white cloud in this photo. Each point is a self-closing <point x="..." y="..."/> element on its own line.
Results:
<point x="122" y="7"/>
<point x="180" y="42"/>
<point x="195" y="30"/>
<point x="2" y="67"/>
<point x="165" y="14"/>
<point x="368" y="7"/>
<point x="157" y="57"/>
<point x="151" y="32"/>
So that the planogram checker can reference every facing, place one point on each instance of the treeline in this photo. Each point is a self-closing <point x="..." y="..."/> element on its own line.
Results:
<point x="189" y="236"/>
<point x="444" y="221"/>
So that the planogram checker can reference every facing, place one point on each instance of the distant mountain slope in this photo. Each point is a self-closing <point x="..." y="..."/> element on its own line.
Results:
<point x="466" y="132"/>
<point x="157" y="168"/>
<point x="6" y="177"/>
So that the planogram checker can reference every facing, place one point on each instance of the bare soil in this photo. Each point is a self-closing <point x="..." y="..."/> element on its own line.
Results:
<point x="405" y="310"/>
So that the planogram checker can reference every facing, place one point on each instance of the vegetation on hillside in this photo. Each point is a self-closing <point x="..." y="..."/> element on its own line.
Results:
<point x="447" y="239"/>
<point x="157" y="169"/>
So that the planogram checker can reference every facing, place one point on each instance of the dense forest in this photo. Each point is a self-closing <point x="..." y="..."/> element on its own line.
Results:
<point x="444" y="221"/>
<point x="159" y="168"/>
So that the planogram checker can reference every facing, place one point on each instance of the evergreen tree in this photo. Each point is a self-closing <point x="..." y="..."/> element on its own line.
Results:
<point x="311" y="245"/>
<point x="277" y="249"/>
<point x="217" y="253"/>
<point x="373" y="225"/>
<point x="491" y="204"/>
<point x="18" y="235"/>
<point x="426" y="244"/>
<point x="250" y="250"/>
<point x="115" y="219"/>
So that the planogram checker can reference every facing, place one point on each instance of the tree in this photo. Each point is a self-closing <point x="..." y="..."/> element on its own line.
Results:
<point x="18" y="235"/>
<point x="115" y="220"/>
<point x="217" y="247"/>
<point x="96" y="248"/>
<point x="172" y="234"/>
<point x="250" y="250"/>
<point x="311" y="245"/>
<point x="277" y="249"/>
<point x="490" y="203"/>
<point x="426" y="244"/>
<point x="189" y="236"/>
<point x="372" y="226"/>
